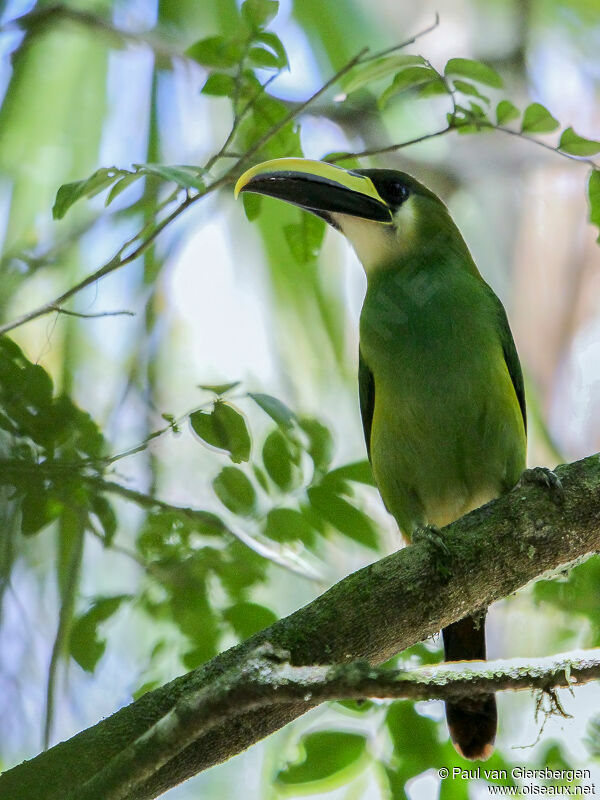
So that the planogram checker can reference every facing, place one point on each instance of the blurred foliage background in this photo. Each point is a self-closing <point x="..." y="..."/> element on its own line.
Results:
<point x="105" y="590"/>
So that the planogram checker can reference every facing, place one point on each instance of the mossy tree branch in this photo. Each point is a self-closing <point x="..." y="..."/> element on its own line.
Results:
<point x="370" y="615"/>
<point x="263" y="681"/>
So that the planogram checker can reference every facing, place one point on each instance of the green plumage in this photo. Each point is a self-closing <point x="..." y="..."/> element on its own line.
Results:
<point x="441" y="388"/>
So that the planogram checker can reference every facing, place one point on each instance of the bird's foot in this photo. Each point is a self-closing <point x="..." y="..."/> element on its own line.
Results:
<point x="549" y="480"/>
<point x="432" y="537"/>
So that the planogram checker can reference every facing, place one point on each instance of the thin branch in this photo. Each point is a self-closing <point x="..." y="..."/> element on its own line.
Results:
<point x="116" y="262"/>
<point x="300" y="108"/>
<point x="545" y="145"/>
<point x="80" y="315"/>
<point x="404" y="44"/>
<point x="375" y="151"/>
<point x="263" y="681"/>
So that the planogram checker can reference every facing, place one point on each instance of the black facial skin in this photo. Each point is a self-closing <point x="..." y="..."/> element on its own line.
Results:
<point x="393" y="187"/>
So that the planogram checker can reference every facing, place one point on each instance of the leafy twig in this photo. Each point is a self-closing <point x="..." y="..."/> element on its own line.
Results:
<point x="151" y="233"/>
<point x="545" y="145"/>
<point x="152" y="230"/>
<point x="282" y="556"/>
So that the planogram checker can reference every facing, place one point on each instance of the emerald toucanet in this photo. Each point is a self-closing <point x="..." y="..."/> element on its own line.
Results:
<point x="441" y="389"/>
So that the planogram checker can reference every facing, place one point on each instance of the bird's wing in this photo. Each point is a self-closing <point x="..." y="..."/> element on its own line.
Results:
<point x="512" y="359"/>
<point x="366" y="393"/>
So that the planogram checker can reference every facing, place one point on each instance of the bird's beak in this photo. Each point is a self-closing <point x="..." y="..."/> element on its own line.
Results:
<point x="316" y="186"/>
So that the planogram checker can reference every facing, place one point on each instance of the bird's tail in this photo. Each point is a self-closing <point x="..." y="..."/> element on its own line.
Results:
<point x="472" y="721"/>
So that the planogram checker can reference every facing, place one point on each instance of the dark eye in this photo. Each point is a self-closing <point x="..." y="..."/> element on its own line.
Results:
<point x="394" y="192"/>
<point x="399" y="192"/>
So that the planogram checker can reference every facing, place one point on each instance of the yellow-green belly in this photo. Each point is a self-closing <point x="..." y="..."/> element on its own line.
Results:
<point x="447" y="431"/>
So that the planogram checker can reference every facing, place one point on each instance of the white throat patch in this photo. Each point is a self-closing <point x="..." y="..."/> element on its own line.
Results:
<point x="375" y="243"/>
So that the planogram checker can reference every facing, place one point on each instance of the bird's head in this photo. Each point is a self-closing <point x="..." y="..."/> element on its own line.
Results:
<point x="382" y="212"/>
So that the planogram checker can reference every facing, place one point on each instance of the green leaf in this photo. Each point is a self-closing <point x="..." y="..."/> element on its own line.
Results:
<point x="407" y="79"/>
<point x="258" y="13"/>
<point x="537" y="119"/>
<point x="216" y="51"/>
<point x="477" y="110"/>
<point x="281" y="458"/>
<point x="182" y="174"/>
<point x="289" y="525"/>
<point x="572" y="595"/>
<point x="277" y="410"/>
<point x="262" y="58"/>
<point x="349" y="520"/>
<point x="506" y="112"/>
<point x="576" y="145"/>
<point x="166" y="535"/>
<point x="320" y="442"/>
<point x="273" y="42"/>
<point x="85" y="646"/>
<point x="38" y="508"/>
<point x="305" y="238"/>
<point x="39" y="386"/>
<point x="192" y="612"/>
<point x="261" y="477"/>
<point x="467" y="88"/>
<point x="324" y="755"/>
<point x="475" y="70"/>
<point x="252" y="205"/>
<point x="219" y="388"/>
<point x="364" y="74"/>
<point x="359" y="471"/>
<point x="223" y="428"/>
<point x="469" y="120"/>
<point x="234" y="490"/>
<point x="592" y="740"/>
<point x="120" y="186"/>
<point x="219" y="84"/>
<point x="106" y="516"/>
<point x="414" y="736"/>
<point x="594" y="197"/>
<point x="241" y="570"/>
<point x="355" y="707"/>
<point x="266" y="112"/>
<point x="247" y="619"/>
<point x="432" y="88"/>
<point x="69" y="193"/>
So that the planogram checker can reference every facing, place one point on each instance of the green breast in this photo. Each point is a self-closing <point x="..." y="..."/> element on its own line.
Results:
<point x="447" y="432"/>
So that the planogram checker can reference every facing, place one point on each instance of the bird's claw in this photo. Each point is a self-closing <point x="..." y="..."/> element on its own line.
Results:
<point x="432" y="536"/>
<point x="542" y="476"/>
